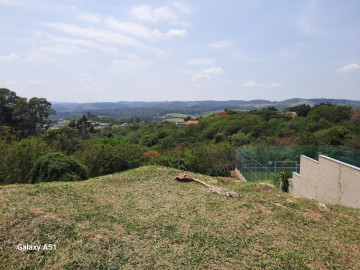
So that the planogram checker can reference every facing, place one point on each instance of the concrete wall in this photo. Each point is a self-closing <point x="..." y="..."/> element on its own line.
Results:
<point x="328" y="181"/>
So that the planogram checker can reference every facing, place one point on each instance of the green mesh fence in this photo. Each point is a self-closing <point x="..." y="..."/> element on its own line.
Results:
<point x="264" y="162"/>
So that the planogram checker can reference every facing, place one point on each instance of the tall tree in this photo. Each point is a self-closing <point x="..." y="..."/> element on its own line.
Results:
<point x="8" y="100"/>
<point x="26" y="116"/>
<point x="31" y="116"/>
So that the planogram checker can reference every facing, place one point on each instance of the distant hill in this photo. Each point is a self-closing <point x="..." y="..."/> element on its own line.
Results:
<point x="147" y="110"/>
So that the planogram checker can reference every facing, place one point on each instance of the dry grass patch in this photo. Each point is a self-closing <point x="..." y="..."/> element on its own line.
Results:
<point x="143" y="219"/>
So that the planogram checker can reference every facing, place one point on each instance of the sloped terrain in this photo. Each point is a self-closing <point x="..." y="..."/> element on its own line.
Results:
<point x="143" y="219"/>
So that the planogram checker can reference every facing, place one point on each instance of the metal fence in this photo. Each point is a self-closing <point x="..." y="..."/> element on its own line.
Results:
<point x="264" y="162"/>
<point x="250" y="168"/>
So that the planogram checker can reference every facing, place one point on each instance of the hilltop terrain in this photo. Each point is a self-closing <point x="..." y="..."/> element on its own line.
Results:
<point x="142" y="218"/>
<point x="151" y="110"/>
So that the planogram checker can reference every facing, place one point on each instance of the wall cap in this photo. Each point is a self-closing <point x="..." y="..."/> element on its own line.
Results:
<point x="340" y="162"/>
<point x="314" y="160"/>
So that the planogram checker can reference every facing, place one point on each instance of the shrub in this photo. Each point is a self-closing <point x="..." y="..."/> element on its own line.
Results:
<point x="212" y="159"/>
<point x="173" y="158"/>
<point x="283" y="179"/>
<point x="19" y="157"/>
<point x="64" y="139"/>
<point x="57" y="167"/>
<point x="102" y="159"/>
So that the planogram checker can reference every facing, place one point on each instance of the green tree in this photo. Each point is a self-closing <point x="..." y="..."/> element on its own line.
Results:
<point x="8" y="101"/>
<point x="57" y="167"/>
<point x="83" y="126"/>
<point x="101" y="159"/>
<point x="64" y="139"/>
<point x="301" y="110"/>
<point x="212" y="159"/>
<point x="331" y="113"/>
<point x="30" y="117"/>
<point x="18" y="158"/>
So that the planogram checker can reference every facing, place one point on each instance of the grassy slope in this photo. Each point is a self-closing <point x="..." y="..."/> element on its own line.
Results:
<point x="144" y="219"/>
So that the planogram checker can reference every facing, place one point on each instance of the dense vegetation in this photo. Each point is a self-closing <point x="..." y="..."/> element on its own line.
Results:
<point x="27" y="117"/>
<point x="150" y="111"/>
<point x="57" y="167"/>
<point x="207" y="147"/>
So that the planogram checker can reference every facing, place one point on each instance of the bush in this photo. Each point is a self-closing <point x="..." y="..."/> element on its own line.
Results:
<point x="212" y="159"/>
<point x="19" y="157"/>
<point x="172" y="158"/>
<point x="57" y="167"/>
<point x="283" y="179"/>
<point x="102" y="159"/>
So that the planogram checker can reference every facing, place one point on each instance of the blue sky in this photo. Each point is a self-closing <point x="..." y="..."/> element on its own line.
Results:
<point x="89" y="51"/>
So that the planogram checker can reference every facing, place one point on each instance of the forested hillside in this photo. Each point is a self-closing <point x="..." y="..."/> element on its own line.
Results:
<point x="207" y="147"/>
<point x="149" y="110"/>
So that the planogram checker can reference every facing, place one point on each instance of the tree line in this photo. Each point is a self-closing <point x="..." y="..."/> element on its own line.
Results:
<point x="207" y="147"/>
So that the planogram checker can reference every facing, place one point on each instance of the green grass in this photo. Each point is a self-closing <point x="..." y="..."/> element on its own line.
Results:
<point x="143" y="219"/>
<point x="173" y="117"/>
<point x="266" y="177"/>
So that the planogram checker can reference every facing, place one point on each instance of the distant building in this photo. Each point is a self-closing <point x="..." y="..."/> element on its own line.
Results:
<point x="98" y="124"/>
<point x="355" y="116"/>
<point x="192" y="122"/>
<point x="60" y="123"/>
<point x="180" y="123"/>
<point x="223" y="113"/>
<point x="291" y="114"/>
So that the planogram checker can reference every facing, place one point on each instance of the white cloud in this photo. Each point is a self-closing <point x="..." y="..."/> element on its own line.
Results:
<point x="221" y="44"/>
<point x="205" y="74"/>
<point x="43" y="52"/>
<point x="134" y="29"/>
<point x="252" y="84"/>
<point x="256" y="84"/>
<point x="182" y="7"/>
<point x="10" y="57"/>
<point x="200" y="76"/>
<point x="96" y="34"/>
<point x="81" y="43"/>
<point x="201" y="61"/>
<point x="102" y="36"/>
<point x="147" y="13"/>
<point x="349" y="68"/>
<point x="34" y="82"/>
<point x="214" y="70"/>
<point x="275" y="84"/>
<point x="176" y="33"/>
<point x="130" y="64"/>
<point x="88" y="17"/>
<point x="140" y="30"/>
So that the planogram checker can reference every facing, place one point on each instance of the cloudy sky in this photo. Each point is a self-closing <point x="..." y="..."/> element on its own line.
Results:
<point x="112" y="50"/>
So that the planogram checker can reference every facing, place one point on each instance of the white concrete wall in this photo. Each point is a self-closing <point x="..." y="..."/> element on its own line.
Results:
<point x="328" y="181"/>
